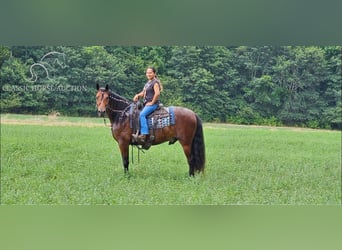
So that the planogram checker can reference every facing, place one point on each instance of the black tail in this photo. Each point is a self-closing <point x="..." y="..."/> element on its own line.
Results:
<point x="197" y="157"/>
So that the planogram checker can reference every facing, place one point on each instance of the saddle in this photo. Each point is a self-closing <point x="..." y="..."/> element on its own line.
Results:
<point x="160" y="118"/>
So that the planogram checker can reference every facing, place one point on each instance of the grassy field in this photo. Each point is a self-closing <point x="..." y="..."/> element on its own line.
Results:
<point x="60" y="160"/>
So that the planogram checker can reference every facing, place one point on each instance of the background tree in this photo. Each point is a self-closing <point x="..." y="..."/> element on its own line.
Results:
<point x="289" y="85"/>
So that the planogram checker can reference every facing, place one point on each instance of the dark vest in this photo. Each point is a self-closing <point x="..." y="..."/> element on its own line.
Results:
<point x="149" y="91"/>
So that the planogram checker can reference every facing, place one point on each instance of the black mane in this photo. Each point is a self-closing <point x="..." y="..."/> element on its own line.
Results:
<point x="118" y="107"/>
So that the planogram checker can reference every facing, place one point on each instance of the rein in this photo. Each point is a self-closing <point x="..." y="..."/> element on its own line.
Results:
<point x="122" y="113"/>
<point x="118" y="99"/>
<point x="105" y="123"/>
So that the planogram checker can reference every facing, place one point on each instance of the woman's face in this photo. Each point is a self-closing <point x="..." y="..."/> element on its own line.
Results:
<point x="150" y="74"/>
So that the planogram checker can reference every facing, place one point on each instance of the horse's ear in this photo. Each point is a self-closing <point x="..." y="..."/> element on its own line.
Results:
<point x="97" y="86"/>
<point x="107" y="87"/>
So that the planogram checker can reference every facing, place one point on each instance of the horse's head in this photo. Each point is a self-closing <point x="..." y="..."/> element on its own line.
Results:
<point x="102" y="99"/>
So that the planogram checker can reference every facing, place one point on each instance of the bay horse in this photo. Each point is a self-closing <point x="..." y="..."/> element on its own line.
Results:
<point x="187" y="129"/>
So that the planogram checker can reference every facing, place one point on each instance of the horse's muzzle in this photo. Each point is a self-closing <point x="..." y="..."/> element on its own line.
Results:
<point x="101" y="113"/>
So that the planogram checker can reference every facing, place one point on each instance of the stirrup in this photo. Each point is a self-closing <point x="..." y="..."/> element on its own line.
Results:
<point x="141" y="138"/>
<point x="135" y="136"/>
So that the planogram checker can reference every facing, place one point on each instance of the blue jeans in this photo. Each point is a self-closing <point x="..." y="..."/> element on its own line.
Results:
<point x="143" y="118"/>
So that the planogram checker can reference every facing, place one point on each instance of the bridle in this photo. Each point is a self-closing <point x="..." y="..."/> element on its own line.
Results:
<point x="120" y="111"/>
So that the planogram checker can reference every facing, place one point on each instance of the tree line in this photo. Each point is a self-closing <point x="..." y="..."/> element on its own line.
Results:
<point x="265" y="85"/>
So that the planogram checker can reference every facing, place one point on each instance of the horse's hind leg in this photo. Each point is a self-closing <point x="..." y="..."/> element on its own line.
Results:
<point x="187" y="152"/>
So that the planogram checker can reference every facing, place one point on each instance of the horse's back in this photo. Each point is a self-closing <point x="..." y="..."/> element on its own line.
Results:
<point x="184" y="115"/>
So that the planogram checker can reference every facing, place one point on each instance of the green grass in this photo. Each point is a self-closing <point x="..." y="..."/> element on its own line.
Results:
<point x="245" y="165"/>
<point x="51" y="119"/>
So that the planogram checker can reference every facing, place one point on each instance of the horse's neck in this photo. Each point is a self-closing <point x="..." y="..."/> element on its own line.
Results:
<point x="112" y="116"/>
<point x="116" y="109"/>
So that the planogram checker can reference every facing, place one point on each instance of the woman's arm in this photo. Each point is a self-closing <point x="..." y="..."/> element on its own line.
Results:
<point x="139" y="95"/>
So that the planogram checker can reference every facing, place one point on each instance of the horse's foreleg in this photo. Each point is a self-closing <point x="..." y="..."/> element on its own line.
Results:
<point x="124" y="155"/>
<point x="125" y="163"/>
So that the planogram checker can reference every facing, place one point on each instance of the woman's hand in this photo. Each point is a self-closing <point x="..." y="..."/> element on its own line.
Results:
<point x="135" y="98"/>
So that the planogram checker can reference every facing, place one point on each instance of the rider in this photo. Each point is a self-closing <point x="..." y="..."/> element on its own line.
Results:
<point x="151" y="94"/>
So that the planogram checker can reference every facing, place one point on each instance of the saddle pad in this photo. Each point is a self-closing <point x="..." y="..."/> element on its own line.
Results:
<point x="161" y="120"/>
